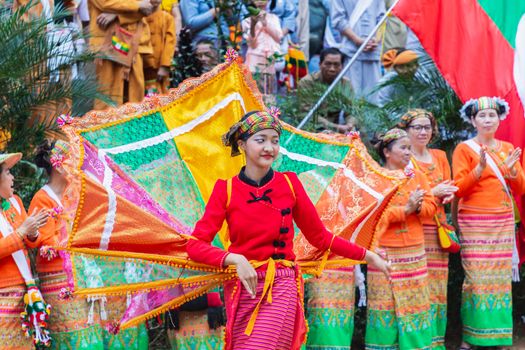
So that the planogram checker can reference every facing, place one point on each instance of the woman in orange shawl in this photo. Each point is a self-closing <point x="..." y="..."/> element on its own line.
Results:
<point x="18" y="231"/>
<point x="398" y="314"/>
<point x="69" y="323"/>
<point x="488" y="173"/>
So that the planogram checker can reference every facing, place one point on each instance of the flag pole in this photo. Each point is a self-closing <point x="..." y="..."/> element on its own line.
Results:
<point x="346" y="68"/>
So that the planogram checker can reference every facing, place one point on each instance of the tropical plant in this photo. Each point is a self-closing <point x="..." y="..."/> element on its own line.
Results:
<point x="429" y="90"/>
<point x="185" y="64"/>
<point x="36" y="75"/>
<point x="426" y="89"/>
<point x="39" y="61"/>
<point x="232" y="12"/>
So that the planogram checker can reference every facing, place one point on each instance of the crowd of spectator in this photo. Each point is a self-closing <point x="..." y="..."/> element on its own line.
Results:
<point x="139" y="40"/>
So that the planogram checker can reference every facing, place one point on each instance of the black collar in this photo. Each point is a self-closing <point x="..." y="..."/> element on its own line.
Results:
<point x="266" y="178"/>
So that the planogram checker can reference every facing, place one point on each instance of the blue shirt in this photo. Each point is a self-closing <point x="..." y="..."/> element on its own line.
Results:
<point x="196" y="15"/>
<point x="286" y="10"/>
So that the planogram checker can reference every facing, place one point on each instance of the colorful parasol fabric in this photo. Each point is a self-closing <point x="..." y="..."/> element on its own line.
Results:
<point x="141" y="174"/>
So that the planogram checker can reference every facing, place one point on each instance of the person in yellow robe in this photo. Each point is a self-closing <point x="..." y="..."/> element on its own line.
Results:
<point x="163" y="40"/>
<point x="123" y="84"/>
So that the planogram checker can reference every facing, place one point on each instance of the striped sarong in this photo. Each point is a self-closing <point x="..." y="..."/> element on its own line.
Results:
<point x="398" y="315"/>
<point x="68" y="319"/>
<point x="11" y="305"/>
<point x="437" y="265"/>
<point x="194" y="333"/>
<point x="486" y="255"/>
<point x="329" y="307"/>
<point x="275" y="326"/>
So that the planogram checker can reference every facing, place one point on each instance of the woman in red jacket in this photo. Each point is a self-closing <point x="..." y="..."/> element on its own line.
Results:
<point x="260" y="206"/>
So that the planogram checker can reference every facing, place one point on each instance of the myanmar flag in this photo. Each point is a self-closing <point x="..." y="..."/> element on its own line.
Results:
<point x="479" y="47"/>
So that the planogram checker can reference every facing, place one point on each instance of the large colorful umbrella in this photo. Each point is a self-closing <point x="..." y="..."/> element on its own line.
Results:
<point x="141" y="175"/>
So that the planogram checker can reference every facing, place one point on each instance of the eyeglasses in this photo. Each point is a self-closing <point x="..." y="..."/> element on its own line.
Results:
<point x="419" y="128"/>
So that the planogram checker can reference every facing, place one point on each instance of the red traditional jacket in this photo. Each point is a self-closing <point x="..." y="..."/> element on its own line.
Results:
<point x="260" y="221"/>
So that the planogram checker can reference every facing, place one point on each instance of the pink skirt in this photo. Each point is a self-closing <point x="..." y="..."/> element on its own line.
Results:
<point x="279" y="325"/>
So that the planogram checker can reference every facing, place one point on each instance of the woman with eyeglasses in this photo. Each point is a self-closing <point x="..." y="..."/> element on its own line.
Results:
<point x="488" y="173"/>
<point x="421" y="128"/>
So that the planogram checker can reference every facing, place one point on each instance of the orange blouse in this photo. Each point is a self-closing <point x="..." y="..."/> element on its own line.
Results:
<point x="395" y="228"/>
<point x="436" y="172"/>
<point x="10" y="275"/>
<point x="49" y="233"/>
<point x="485" y="194"/>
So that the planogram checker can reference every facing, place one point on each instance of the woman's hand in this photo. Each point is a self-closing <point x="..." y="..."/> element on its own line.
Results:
<point x="378" y="262"/>
<point x="482" y="162"/>
<point x="32" y="223"/>
<point x="445" y="191"/>
<point x="414" y="201"/>
<point x="512" y="159"/>
<point x="261" y="17"/>
<point x="245" y="271"/>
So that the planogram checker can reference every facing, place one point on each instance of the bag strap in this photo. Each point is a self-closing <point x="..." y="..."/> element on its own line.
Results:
<point x="360" y="8"/>
<point x="290" y="185"/>
<point x="228" y="192"/>
<point x="491" y="163"/>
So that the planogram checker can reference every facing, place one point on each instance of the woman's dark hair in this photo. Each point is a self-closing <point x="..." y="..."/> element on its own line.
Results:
<point x="43" y="155"/>
<point x="381" y="145"/>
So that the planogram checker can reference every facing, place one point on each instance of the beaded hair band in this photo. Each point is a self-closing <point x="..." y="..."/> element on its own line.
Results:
<point x="473" y="106"/>
<point x="413" y="114"/>
<point x="393" y="135"/>
<point x="59" y="154"/>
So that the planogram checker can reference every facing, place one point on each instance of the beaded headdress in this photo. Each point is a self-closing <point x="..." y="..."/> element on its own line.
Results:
<point x="59" y="153"/>
<point x="473" y="106"/>
<point x="393" y="135"/>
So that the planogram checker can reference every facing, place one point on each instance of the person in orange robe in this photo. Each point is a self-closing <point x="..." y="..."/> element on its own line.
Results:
<point x="172" y="6"/>
<point x="404" y="299"/>
<point x="18" y="231"/>
<point x="114" y="78"/>
<point x="488" y="174"/>
<point x="163" y="40"/>
<point x="421" y="128"/>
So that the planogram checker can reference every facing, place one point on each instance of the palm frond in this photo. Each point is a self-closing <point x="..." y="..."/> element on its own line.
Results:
<point x="36" y="60"/>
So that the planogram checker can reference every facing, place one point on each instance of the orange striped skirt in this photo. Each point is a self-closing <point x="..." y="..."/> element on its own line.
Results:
<point x="11" y="305"/>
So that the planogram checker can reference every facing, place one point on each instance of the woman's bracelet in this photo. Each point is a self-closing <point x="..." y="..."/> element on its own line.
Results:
<point x="19" y="234"/>
<point x="33" y="238"/>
